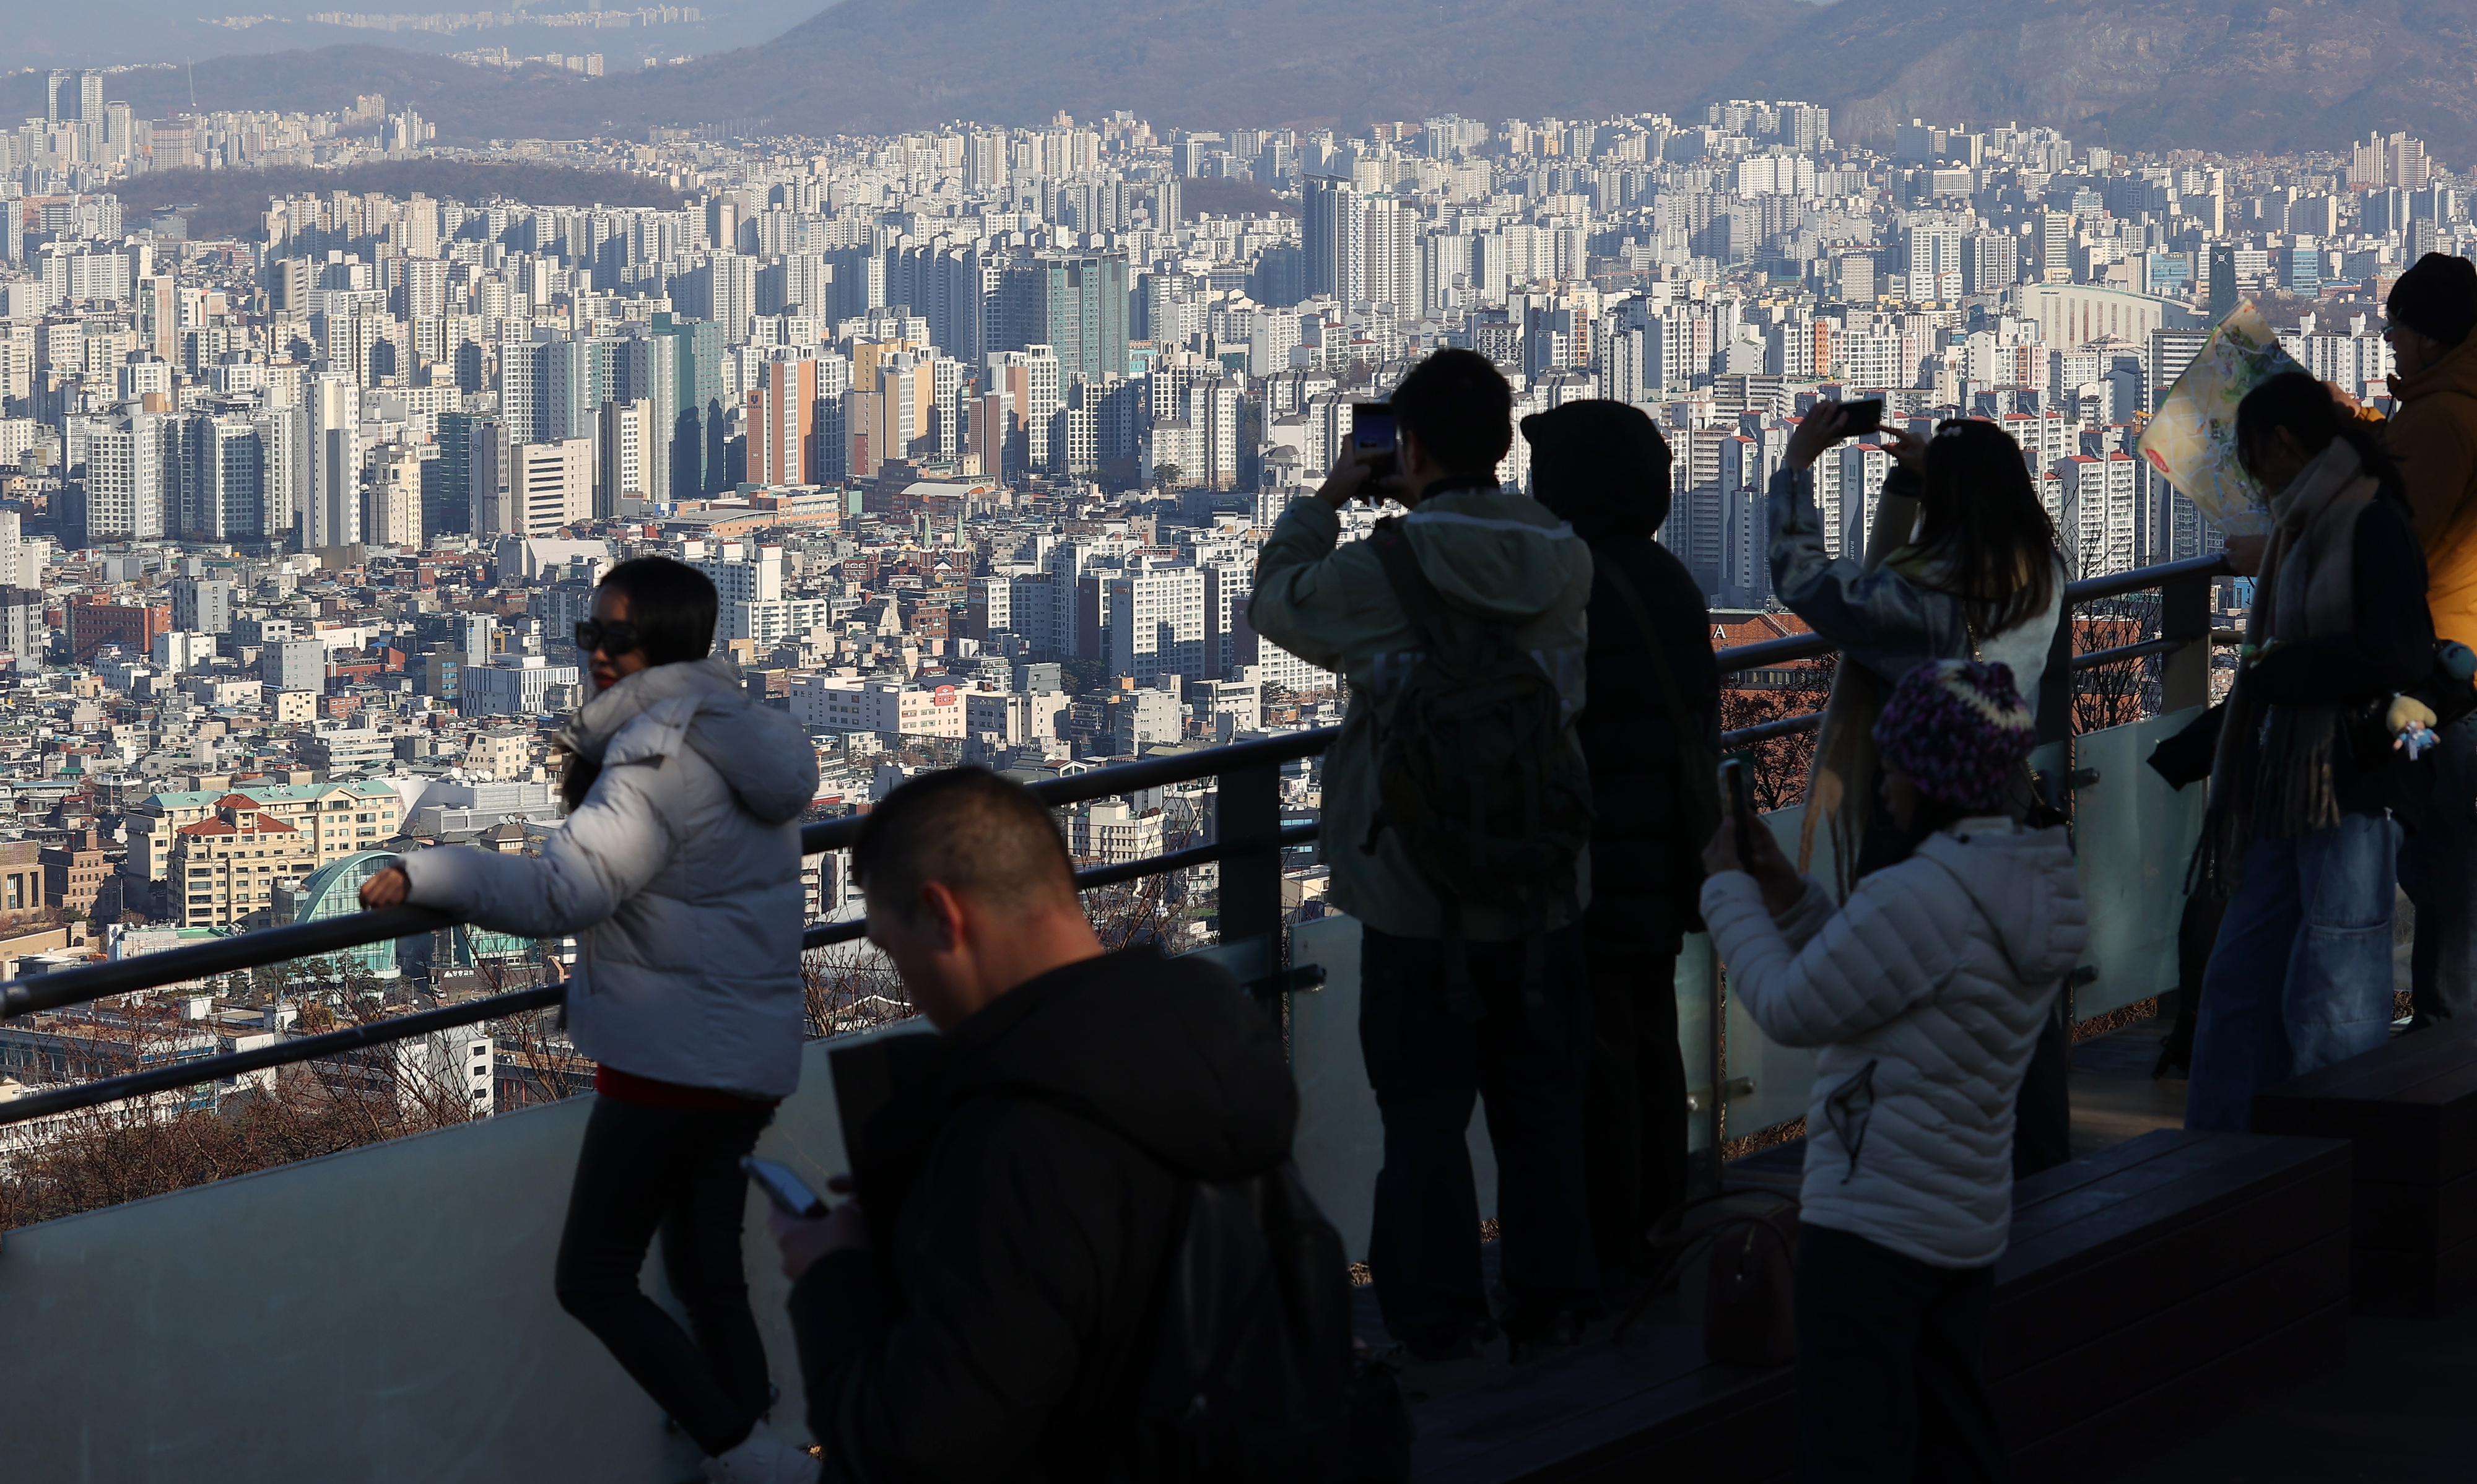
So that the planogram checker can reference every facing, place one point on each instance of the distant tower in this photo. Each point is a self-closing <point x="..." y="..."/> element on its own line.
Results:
<point x="91" y="98"/>
<point x="2223" y="281"/>
<point x="59" y="82"/>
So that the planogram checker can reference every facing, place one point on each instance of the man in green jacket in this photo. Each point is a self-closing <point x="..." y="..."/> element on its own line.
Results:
<point x="1504" y="559"/>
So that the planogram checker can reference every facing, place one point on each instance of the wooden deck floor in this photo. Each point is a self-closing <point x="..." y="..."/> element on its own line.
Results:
<point x="2400" y="1411"/>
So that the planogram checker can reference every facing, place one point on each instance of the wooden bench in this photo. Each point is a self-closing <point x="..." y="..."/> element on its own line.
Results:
<point x="2161" y="1285"/>
<point x="2150" y="1291"/>
<point x="2410" y="1110"/>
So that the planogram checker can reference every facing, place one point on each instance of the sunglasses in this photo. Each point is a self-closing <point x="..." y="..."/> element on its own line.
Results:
<point x="614" y="638"/>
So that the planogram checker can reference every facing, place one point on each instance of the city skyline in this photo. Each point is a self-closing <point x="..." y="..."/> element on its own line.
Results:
<point x="977" y="429"/>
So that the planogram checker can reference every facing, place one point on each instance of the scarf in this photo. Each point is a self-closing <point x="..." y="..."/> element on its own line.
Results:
<point x="2272" y="771"/>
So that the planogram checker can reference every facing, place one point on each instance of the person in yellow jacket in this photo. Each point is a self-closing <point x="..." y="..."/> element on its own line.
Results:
<point x="2433" y="438"/>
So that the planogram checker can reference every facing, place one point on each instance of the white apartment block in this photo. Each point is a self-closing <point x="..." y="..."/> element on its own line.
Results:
<point x="1163" y="620"/>
<point x="740" y="573"/>
<point x="515" y="686"/>
<point x="550" y="486"/>
<point x="2097" y="512"/>
<point x="825" y="703"/>
<point x="775" y="621"/>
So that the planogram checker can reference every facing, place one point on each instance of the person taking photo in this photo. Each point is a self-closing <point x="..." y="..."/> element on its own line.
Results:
<point x="1924" y="995"/>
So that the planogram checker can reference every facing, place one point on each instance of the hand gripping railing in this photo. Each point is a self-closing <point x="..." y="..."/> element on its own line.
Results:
<point x="1248" y="829"/>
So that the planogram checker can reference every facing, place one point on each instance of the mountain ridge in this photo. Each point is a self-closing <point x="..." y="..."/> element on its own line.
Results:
<point x="2227" y="75"/>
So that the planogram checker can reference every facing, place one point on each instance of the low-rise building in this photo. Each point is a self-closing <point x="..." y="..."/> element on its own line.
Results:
<point x="223" y="868"/>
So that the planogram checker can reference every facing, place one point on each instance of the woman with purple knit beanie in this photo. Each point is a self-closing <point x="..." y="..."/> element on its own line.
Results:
<point x="1923" y="995"/>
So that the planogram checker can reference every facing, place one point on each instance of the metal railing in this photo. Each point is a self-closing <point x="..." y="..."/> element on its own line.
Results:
<point x="2185" y="589"/>
<point x="1248" y="829"/>
<point x="1248" y="833"/>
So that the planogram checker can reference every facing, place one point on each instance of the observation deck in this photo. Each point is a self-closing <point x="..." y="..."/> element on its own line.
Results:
<point x="2174" y="1306"/>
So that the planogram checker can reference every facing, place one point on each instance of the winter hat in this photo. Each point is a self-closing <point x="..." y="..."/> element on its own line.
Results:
<point x="2437" y="297"/>
<point x="1600" y="466"/>
<point x="1958" y="729"/>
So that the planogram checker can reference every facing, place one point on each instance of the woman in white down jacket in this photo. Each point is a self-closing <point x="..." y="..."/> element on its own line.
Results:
<point x="678" y="868"/>
<point x="1924" y="996"/>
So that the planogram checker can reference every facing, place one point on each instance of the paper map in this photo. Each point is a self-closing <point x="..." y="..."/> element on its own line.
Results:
<point x="2193" y="437"/>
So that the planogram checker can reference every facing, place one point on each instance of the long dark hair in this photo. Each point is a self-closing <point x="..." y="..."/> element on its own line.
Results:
<point x="2302" y="406"/>
<point x="672" y="607"/>
<point x="1981" y="523"/>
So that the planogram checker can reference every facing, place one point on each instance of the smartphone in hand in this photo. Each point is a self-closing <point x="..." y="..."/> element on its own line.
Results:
<point x="1371" y="437"/>
<point x="790" y="1195"/>
<point x="1738" y="792"/>
<point x="1857" y="418"/>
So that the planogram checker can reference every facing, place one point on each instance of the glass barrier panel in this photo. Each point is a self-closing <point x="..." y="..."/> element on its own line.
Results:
<point x="2135" y="836"/>
<point x="1698" y="987"/>
<point x="233" y="1122"/>
<point x="1769" y="1083"/>
<point x="1341" y="1142"/>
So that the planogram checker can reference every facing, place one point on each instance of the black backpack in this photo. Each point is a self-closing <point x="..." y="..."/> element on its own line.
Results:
<point x="1478" y="768"/>
<point x="1245" y="1372"/>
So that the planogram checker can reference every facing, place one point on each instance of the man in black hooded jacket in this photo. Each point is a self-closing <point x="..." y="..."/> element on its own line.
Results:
<point x="977" y="1312"/>
<point x="1604" y="468"/>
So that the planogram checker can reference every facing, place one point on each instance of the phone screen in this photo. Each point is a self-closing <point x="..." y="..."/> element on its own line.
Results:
<point x="1742" y="811"/>
<point x="1865" y="416"/>
<point x="790" y="1195"/>
<point x="1371" y="429"/>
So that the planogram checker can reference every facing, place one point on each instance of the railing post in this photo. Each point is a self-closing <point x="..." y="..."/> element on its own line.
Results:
<point x="1248" y="812"/>
<point x="2185" y="613"/>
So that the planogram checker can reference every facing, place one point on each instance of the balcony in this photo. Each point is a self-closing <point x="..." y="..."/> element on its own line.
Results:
<point x="386" y="1313"/>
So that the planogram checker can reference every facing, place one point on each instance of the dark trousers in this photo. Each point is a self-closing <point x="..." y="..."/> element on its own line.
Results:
<point x="1634" y="1132"/>
<point x="676" y="1171"/>
<point x="2437" y="869"/>
<point x="1889" y="1384"/>
<point x="1427" y="1064"/>
<point x="2196" y="932"/>
<point x="2043" y="1113"/>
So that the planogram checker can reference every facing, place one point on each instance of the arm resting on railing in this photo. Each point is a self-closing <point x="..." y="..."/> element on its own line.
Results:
<point x="614" y="843"/>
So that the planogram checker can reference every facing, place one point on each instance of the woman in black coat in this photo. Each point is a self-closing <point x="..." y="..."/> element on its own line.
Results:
<point x="1603" y="467"/>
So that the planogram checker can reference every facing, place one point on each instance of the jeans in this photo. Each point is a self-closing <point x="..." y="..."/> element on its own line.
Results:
<point x="2301" y="975"/>
<point x="1633" y="1135"/>
<point x="1889" y="1384"/>
<point x="674" y="1170"/>
<point x="1427" y="1065"/>
<point x="2437" y="869"/>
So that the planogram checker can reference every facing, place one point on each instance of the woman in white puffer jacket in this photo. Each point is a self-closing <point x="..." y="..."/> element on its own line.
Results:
<point x="1924" y="996"/>
<point x="678" y="868"/>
